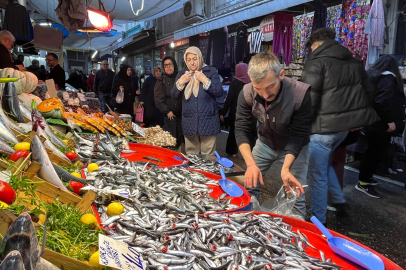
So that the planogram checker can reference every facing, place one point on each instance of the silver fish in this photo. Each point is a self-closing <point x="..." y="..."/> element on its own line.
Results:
<point x="47" y="171"/>
<point x="6" y="133"/>
<point x="24" y="110"/>
<point x="24" y="127"/>
<point x="5" y="148"/>
<point x="50" y="145"/>
<point x="10" y="102"/>
<point x="13" y="260"/>
<point x="9" y="122"/>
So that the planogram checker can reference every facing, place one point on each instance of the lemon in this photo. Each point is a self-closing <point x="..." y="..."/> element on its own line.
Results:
<point x="88" y="219"/>
<point x="92" y="167"/>
<point x="66" y="142"/>
<point x="3" y="205"/>
<point x="22" y="146"/>
<point x="94" y="260"/>
<point x="115" y="209"/>
<point x="76" y="174"/>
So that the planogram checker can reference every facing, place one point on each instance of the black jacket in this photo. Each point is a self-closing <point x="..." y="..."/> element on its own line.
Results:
<point x="152" y="115"/>
<point x="103" y="81"/>
<point x="39" y="72"/>
<point x="163" y="98"/>
<point x="5" y="58"/>
<point x="127" y="107"/>
<point x="340" y="90"/>
<point x="389" y="104"/>
<point x="232" y="99"/>
<point x="58" y="74"/>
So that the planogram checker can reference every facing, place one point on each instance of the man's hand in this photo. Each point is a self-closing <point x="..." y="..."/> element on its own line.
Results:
<point x="252" y="175"/>
<point x="392" y="127"/>
<point x="200" y="77"/>
<point x="290" y="181"/>
<point x="221" y="118"/>
<point x="171" y="116"/>
<point x="185" y="78"/>
<point x="21" y="68"/>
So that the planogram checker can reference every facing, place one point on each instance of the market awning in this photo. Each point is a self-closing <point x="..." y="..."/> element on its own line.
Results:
<point x="245" y="13"/>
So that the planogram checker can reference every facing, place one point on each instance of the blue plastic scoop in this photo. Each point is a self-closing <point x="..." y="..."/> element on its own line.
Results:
<point x="349" y="250"/>
<point x="230" y="187"/>
<point x="223" y="161"/>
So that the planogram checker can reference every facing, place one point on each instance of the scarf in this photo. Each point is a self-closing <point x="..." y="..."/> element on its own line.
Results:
<point x="175" y="67"/>
<point x="193" y="85"/>
<point x="150" y="70"/>
<point x="123" y="73"/>
<point x="241" y="73"/>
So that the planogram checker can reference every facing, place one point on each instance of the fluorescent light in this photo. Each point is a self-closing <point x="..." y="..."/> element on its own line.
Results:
<point x="45" y="24"/>
<point x="94" y="54"/>
<point x="172" y="44"/>
<point x="123" y="58"/>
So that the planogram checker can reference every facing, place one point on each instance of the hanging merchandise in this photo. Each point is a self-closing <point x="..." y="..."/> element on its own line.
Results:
<point x="347" y="23"/>
<point x="360" y="48"/>
<point x="333" y="18"/>
<point x="241" y="42"/>
<point x="301" y="32"/>
<point x="283" y="35"/>
<point x="255" y="40"/>
<point x="15" y="21"/>
<point x="320" y="15"/>
<point x="375" y="28"/>
<point x="71" y="13"/>
<point x="203" y="45"/>
<point x="217" y="47"/>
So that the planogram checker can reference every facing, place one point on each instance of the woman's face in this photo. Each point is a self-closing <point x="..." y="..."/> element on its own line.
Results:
<point x="157" y="73"/>
<point x="128" y="71"/>
<point x="192" y="61"/>
<point x="168" y="66"/>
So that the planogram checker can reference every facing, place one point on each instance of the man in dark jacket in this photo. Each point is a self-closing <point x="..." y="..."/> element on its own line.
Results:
<point x="57" y="73"/>
<point x="340" y="103"/>
<point x="39" y="72"/>
<point x="103" y="83"/>
<point x="283" y="109"/>
<point x="6" y="44"/>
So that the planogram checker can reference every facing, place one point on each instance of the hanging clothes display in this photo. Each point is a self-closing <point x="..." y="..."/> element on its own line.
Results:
<point x="320" y="15"/>
<point x="233" y="47"/>
<point x="375" y="27"/>
<point x="283" y="34"/>
<point x="241" y="43"/>
<point x="203" y="46"/>
<point x="302" y="31"/>
<point x="255" y="40"/>
<point x="360" y="48"/>
<point x="217" y="47"/>
<point x="346" y="31"/>
<point x="333" y="18"/>
<point x="15" y="21"/>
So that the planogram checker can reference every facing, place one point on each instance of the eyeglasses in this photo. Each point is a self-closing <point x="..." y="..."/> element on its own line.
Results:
<point x="105" y="64"/>
<point x="168" y="65"/>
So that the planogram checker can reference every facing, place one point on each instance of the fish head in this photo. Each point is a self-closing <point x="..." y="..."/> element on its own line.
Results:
<point x="9" y="90"/>
<point x="21" y="237"/>
<point x="13" y="260"/>
<point x="37" y="149"/>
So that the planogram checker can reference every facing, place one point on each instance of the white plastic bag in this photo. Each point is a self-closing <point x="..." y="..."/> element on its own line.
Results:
<point x="120" y="96"/>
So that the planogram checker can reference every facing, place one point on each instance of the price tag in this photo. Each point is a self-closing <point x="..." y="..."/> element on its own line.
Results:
<point x="138" y="129"/>
<point x="119" y="255"/>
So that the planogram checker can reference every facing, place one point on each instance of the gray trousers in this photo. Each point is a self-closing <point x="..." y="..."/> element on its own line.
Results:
<point x="265" y="156"/>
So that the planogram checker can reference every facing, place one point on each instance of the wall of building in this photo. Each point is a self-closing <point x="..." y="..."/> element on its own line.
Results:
<point x="166" y="25"/>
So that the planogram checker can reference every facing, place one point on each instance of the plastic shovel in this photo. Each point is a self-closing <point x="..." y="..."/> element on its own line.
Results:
<point x="349" y="250"/>
<point x="230" y="187"/>
<point x="223" y="161"/>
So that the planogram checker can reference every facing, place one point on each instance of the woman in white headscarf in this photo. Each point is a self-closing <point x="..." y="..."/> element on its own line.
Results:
<point x="198" y="85"/>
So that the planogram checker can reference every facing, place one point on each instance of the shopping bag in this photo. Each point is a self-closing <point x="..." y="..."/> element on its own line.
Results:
<point x="139" y="116"/>
<point x="120" y="96"/>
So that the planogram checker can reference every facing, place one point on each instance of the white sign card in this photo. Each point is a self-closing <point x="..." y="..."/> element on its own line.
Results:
<point x="138" y="129"/>
<point x="119" y="255"/>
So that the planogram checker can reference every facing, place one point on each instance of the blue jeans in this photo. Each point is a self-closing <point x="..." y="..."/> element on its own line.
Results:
<point x="321" y="176"/>
<point x="104" y="98"/>
<point x="265" y="156"/>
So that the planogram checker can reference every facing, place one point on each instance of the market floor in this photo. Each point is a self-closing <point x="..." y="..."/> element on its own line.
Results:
<point x="377" y="223"/>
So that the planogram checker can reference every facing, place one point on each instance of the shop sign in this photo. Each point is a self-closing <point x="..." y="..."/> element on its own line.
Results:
<point x="267" y="27"/>
<point x="162" y="42"/>
<point x="119" y="255"/>
<point x="181" y="42"/>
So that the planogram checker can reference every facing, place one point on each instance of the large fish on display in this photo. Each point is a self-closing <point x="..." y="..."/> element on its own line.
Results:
<point x="24" y="110"/>
<point x="38" y="118"/>
<point x="47" y="171"/>
<point x="10" y="102"/>
<point x="5" y="148"/>
<point x="5" y="132"/>
<point x="10" y="123"/>
<point x="20" y="249"/>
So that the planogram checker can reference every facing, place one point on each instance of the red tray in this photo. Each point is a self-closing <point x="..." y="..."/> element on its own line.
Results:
<point x="165" y="155"/>
<point x="315" y="238"/>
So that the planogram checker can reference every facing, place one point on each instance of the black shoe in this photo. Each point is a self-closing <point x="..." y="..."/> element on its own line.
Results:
<point x="368" y="190"/>
<point x="373" y="182"/>
<point x="341" y="210"/>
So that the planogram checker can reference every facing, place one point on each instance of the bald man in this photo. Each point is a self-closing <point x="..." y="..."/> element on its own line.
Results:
<point x="6" y="45"/>
<point x="103" y="82"/>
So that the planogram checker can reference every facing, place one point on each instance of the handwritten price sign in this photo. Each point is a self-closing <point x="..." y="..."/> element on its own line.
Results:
<point x="119" y="255"/>
<point x="138" y="129"/>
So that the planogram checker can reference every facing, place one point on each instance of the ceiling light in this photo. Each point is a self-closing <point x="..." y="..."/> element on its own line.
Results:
<point x="94" y="54"/>
<point x="45" y="24"/>
<point x="172" y="44"/>
<point x="99" y="19"/>
<point x="142" y="7"/>
<point x="123" y="58"/>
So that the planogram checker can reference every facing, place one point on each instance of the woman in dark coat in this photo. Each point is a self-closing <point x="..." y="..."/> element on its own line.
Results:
<point x="124" y="81"/>
<point x="241" y="78"/>
<point x="390" y="106"/>
<point x="152" y="115"/>
<point x="198" y="86"/>
<point x="170" y="108"/>
<point x="146" y="75"/>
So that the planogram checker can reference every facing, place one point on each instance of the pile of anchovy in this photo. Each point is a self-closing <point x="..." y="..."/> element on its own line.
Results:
<point x="198" y="163"/>
<point x="176" y="189"/>
<point x="219" y="241"/>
